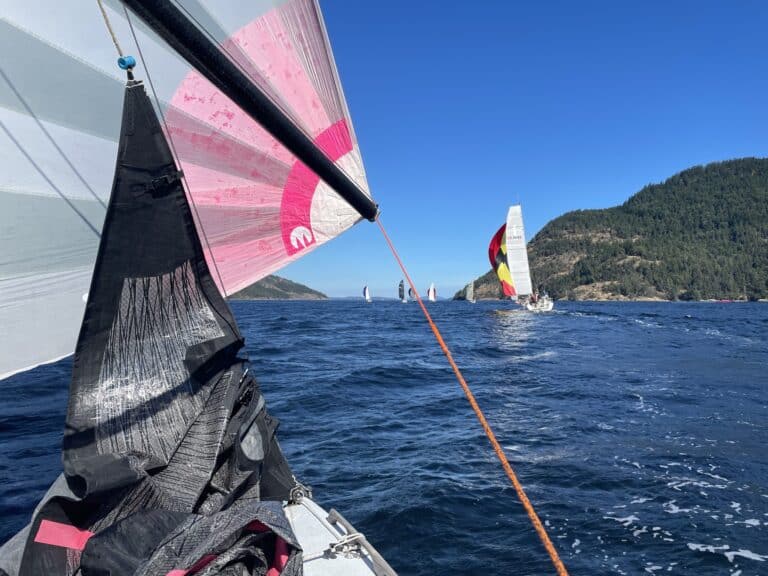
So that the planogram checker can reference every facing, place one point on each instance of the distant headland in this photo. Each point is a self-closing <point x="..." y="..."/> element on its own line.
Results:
<point x="277" y="288"/>
<point x="701" y="234"/>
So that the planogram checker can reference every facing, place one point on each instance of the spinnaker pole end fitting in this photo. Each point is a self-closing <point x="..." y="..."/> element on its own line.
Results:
<point x="127" y="63"/>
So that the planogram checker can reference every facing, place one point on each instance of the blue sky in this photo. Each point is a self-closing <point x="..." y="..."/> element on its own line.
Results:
<point x="462" y="109"/>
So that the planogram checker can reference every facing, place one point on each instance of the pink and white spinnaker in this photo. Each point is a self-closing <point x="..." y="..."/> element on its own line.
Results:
<point x="260" y="207"/>
<point x="61" y="94"/>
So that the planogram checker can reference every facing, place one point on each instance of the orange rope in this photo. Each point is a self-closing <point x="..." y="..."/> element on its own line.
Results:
<point x="559" y="566"/>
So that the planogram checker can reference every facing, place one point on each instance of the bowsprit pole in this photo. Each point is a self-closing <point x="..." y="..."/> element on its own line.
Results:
<point x="203" y="54"/>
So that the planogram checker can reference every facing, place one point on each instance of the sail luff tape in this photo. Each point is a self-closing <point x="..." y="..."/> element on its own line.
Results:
<point x="538" y="526"/>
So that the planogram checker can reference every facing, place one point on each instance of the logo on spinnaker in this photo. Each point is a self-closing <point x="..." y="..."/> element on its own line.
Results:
<point x="301" y="237"/>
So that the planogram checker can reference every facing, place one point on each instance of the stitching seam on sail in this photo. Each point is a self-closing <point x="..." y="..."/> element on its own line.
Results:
<point x="47" y="179"/>
<point x="51" y="139"/>
<point x="538" y="526"/>
<point x="176" y="157"/>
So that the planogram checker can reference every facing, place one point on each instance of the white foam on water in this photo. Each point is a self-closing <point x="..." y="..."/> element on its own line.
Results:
<point x="529" y="357"/>
<point x="640" y="500"/>
<point x="714" y="476"/>
<point x="725" y="549"/>
<point x="707" y="547"/>
<point x="626" y="521"/>
<point x="648" y="324"/>
<point x="745" y="554"/>
<point x="749" y="522"/>
<point x="679" y="483"/>
<point x="672" y="508"/>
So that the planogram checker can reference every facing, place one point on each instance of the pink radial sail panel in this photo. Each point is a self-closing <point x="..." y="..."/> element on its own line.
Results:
<point x="258" y="207"/>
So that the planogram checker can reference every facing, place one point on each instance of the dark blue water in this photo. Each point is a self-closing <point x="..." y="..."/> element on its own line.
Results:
<point x="639" y="430"/>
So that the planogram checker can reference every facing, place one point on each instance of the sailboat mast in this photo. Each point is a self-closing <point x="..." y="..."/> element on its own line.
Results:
<point x="195" y="47"/>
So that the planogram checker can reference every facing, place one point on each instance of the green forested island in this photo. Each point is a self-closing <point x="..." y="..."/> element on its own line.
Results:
<point x="702" y="234"/>
<point x="277" y="288"/>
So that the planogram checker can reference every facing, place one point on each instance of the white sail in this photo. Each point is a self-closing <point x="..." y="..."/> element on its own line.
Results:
<point x="432" y="293"/>
<point x="366" y="294"/>
<point x="517" y="253"/>
<point x="470" y="292"/>
<point x="256" y="207"/>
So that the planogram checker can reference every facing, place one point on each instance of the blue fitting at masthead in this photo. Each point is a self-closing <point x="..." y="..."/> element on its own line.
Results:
<point x="126" y="62"/>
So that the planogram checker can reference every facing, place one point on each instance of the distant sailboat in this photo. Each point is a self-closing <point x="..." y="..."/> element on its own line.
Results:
<point x="401" y="292"/>
<point x="432" y="293"/>
<point x="470" y="292"/>
<point x="411" y="295"/>
<point x="509" y="257"/>
<point x="366" y="294"/>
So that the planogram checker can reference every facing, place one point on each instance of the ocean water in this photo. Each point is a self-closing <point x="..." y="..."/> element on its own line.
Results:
<point x="640" y="431"/>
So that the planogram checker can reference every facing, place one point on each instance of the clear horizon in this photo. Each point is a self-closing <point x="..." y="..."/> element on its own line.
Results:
<point x="461" y="112"/>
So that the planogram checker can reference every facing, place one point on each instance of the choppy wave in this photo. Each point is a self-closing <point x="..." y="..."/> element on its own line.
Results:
<point x="638" y="429"/>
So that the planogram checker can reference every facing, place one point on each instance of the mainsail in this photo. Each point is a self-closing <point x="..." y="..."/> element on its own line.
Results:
<point x="469" y="293"/>
<point x="255" y="206"/>
<point x="401" y="291"/>
<point x="517" y="253"/>
<point x="366" y="294"/>
<point x="509" y="257"/>
<point x="432" y="293"/>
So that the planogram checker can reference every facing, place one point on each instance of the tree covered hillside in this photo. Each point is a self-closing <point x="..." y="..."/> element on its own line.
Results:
<point x="701" y="234"/>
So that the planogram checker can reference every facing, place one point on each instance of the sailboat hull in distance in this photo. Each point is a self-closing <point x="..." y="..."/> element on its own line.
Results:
<point x="543" y="305"/>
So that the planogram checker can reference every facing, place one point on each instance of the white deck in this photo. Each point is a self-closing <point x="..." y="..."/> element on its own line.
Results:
<point x="323" y="543"/>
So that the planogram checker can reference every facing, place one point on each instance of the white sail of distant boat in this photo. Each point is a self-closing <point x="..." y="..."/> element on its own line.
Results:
<point x="401" y="292"/>
<point x="411" y="295"/>
<point x="470" y="292"/>
<point x="509" y="257"/>
<point x="432" y="293"/>
<point x="366" y="294"/>
<point x="517" y="253"/>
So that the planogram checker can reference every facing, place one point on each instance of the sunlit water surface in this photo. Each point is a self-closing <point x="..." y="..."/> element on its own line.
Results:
<point x="639" y="430"/>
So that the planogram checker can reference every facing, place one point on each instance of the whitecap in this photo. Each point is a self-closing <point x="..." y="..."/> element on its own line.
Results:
<point x="745" y="554"/>
<point x="626" y="521"/>
<point x="672" y="508"/>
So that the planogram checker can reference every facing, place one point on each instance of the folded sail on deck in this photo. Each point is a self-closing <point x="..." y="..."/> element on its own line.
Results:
<point x="256" y="207"/>
<point x="169" y="454"/>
